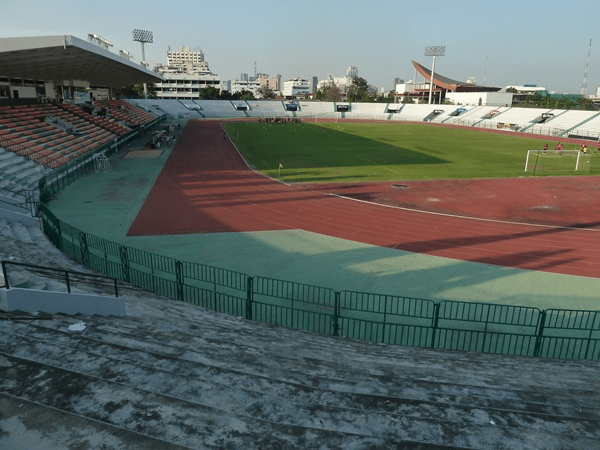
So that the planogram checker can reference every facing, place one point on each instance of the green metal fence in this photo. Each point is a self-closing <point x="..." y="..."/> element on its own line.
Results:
<point x="451" y="325"/>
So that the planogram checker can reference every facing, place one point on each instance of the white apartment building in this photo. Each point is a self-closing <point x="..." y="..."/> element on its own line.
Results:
<point x="253" y="84"/>
<point x="343" y="83"/>
<point x="297" y="87"/>
<point x="249" y="84"/>
<point x="186" y="73"/>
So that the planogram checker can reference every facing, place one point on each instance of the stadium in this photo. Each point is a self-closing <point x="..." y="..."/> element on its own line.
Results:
<point x="191" y="291"/>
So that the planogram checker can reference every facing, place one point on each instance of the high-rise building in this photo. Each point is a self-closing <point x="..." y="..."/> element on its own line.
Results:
<point x="186" y="73"/>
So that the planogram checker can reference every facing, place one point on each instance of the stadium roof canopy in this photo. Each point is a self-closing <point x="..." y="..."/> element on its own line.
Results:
<point x="60" y="58"/>
<point x="450" y="84"/>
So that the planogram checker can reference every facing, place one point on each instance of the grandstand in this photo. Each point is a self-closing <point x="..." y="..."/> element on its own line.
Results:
<point x="218" y="108"/>
<point x="367" y="111"/>
<point x="588" y="128"/>
<point x="440" y="113"/>
<point x="172" y="375"/>
<point x="518" y="116"/>
<point x="268" y="108"/>
<point x="561" y="123"/>
<point x="53" y="135"/>
<point x="173" y="108"/>
<point x="412" y="112"/>
<point x="317" y="109"/>
<point x="122" y="111"/>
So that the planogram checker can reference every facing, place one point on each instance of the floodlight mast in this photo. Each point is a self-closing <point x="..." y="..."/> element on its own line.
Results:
<point x="143" y="36"/>
<point x="434" y="50"/>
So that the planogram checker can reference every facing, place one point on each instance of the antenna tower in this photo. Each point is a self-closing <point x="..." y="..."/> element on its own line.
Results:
<point x="485" y="70"/>
<point x="585" y="73"/>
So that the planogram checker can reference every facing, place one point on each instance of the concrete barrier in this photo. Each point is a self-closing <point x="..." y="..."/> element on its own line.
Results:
<point x="32" y="300"/>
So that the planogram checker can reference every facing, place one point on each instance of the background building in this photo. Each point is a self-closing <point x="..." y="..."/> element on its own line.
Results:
<point x="312" y="84"/>
<point x="273" y="83"/>
<point x="343" y="83"/>
<point x="186" y="73"/>
<point x="297" y="87"/>
<point x="245" y="83"/>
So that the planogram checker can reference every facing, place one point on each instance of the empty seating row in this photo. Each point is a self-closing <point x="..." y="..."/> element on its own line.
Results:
<point x="24" y="131"/>
<point x="126" y="112"/>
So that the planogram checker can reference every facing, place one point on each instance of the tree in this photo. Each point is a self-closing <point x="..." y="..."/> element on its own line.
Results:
<point x="385" y="98"/>
<point x="226" y="95"/>
<point x="361" y="91"/>
<point x="244" y="94"/>
<point x="135" y="91"/>
<point x="265" y="92"/>
<point x="209" y="93"/>
<point x="329" y="92"/>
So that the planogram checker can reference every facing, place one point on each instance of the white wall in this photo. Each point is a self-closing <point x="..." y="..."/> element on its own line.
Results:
<point x="487" y="98"/>
<point x="31" y="300"/>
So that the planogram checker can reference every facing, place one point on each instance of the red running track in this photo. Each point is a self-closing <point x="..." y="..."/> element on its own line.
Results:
<point x="206" y="187"/>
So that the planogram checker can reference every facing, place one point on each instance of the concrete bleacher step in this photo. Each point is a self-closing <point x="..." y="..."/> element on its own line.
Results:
<point x="425" y="369"/>
<point x="5" y="183"/>
<point x="58" y="429"/>
<point x="154" y="415"/>
<point x="16" y="167"/>
<point x="10" y="160"/>
<point x="281" y="383"/>
<point x="28" y="170"/>
<point x="16" y="184"/>
<point x="27" y="243"/>
<point x="6" y="154"/>
<point x="21" y="232"/>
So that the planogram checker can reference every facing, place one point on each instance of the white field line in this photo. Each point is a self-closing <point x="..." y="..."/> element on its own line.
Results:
<point x="456" y="216"/>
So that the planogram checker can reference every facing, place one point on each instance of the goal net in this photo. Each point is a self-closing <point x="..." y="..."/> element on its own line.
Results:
<point x="555" y="162"/>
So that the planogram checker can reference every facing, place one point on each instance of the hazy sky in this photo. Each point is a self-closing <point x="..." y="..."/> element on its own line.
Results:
<point x="497" y="42"/>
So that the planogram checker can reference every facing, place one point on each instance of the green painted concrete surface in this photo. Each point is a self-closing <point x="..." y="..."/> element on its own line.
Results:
<point x="105" y="205"/>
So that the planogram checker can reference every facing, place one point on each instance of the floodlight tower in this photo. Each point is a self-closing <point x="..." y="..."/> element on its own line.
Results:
<point x="143" y="37"/>
<point x="434" y="50"/>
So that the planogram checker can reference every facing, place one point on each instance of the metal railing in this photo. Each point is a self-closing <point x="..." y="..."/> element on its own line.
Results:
<point x="390" y="319"/>
<point x="68" y="276"/>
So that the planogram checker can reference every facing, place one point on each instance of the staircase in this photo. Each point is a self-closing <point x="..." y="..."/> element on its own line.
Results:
<point x="18" y="173"/>
<point x="172" y="376"/>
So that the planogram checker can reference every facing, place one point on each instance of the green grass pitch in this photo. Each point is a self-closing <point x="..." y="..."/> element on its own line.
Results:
<point x="346" y="151"/>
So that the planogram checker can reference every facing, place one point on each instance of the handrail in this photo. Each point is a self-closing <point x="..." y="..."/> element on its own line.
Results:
<point x="4" y="263"/>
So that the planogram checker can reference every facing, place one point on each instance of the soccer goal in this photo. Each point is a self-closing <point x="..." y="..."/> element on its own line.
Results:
<point x="557" y="162"/>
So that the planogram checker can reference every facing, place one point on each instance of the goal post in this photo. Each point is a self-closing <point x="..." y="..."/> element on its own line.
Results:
<point x="554" y="161"/>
